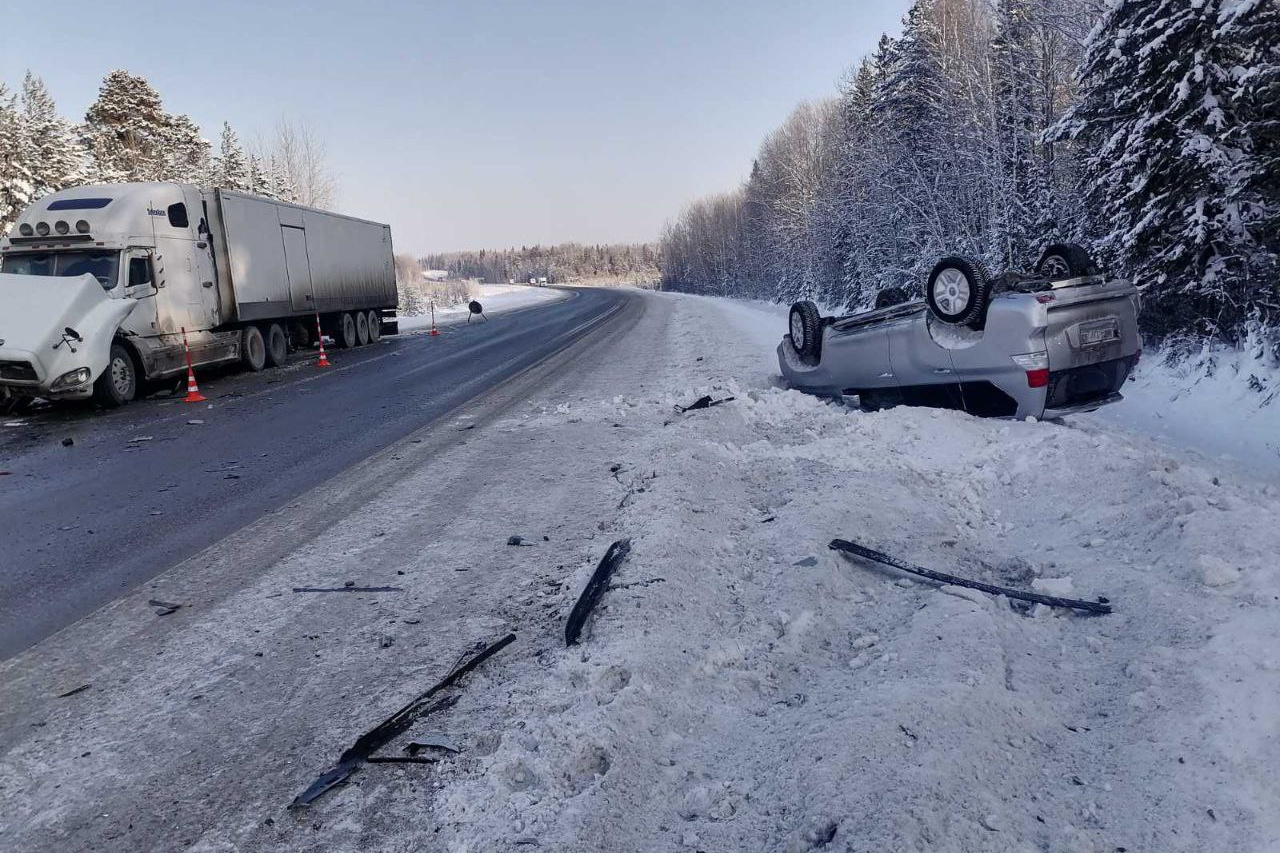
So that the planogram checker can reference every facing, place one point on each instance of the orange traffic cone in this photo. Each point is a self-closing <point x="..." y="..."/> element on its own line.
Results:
<point x="324" y="359"/>
<point x="193" y="390"/>
<point x="434" y="330"/>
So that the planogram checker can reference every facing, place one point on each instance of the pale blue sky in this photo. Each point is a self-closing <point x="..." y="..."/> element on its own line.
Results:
<point x="475" y="124"/>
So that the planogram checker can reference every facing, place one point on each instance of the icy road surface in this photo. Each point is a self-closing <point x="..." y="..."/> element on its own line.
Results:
<point x="741" y="688"/>
<point x="147" y="486"/>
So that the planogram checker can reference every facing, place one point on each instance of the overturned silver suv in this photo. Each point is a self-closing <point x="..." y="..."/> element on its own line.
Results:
<point x="1060" y="340"/>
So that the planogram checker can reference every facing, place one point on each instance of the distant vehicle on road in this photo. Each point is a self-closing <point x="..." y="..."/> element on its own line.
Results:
<point x="1057" y="341"/>
<point x="97" y="284"/>
<point x="542" y="281"/>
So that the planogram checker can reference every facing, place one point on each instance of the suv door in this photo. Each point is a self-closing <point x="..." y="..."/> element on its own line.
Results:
<point x="857" y="357"/>
<point x="923" y="369"/>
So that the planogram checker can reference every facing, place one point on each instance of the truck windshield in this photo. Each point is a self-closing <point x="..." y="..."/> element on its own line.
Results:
<point x="104" y="266"/>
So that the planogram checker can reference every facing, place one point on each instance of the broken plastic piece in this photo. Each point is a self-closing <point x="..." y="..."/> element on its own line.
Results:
<point x="594" y="589"/>
<point x="431" y="741"/>
<point x="1100" y="606"/>
<point x="163" y="608"/>
<point x="383" y="733"/>
<point x="702" y="403"/>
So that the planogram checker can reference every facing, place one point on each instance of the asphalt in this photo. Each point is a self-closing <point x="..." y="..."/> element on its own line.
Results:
<point x="140" y="489"/>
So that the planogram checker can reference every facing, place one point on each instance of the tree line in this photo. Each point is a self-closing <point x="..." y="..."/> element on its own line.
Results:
<point x="632" y="263"/>
<point x="127" y="135"/>
<point x="1146" y="130"/>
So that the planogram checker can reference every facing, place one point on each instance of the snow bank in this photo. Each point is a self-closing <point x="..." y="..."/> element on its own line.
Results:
<point x="1222" y="403"/>
<point x="769" y="694"/>
<point x="496" y="299"/>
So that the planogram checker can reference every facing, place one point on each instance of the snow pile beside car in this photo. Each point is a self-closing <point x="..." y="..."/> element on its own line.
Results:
<point x="1223" y="402"/>
<point x="744" y="688"/>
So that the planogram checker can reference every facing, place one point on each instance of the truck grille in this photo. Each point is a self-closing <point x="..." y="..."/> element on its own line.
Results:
<point x="1079" y="385"/>
<point x="17" y="371"/>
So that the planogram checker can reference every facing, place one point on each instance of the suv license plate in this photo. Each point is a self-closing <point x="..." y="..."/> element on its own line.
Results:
<point x="1100" y="333"/>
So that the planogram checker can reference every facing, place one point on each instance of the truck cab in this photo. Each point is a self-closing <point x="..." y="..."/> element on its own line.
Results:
<point x="140" y="280"/>
<point x="146" y="246"/>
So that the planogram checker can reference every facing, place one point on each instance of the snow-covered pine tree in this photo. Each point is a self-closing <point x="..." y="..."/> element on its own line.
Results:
<point x="186" y="151"/>
<point x="15" y="161"/>
<point x="231" y="166"/>
<point x="258" y="182"/>
<point x="1259" y="73"/>
<point x="866" y="200"/>
<point x="125" y="130"/>
<point x="1017" y="183"/>
<point x="910" y="117"/>
<point x="279" y="181"/>
<point x="1167" y="163"/>
<point x="56" y="158"/>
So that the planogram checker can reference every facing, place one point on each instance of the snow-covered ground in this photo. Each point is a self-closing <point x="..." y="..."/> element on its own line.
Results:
<point x="741" y="686"/>
<point x="495" y="298"/>
<point x="1224" y="403"/>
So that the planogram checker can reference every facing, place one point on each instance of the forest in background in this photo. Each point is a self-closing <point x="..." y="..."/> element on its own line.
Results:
<point x="1146" y="130"/>
<point x="127" y="135"/>
<point x="625" y="263"/>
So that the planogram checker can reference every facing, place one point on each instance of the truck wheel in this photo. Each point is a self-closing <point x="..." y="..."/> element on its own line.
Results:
<point x="303" y="335"/>
<point x="253" y="353"/>
<point x="346" y="337"/>
<point x="375" y="326"/>
<point x="805" y="325"/>
<point x="118" y="384"/>
<point x="362" y="328"/>
<point x="1066" y="260"/>
<point x="958" y="292"/>
<point x="277" y="345"/>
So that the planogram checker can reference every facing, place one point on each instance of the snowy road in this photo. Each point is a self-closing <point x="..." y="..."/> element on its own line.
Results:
<point x="742" y="687"/>
<point x="149" y="485"/>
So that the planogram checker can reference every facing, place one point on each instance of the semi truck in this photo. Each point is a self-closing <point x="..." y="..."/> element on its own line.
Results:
<point x="105" y="289"/>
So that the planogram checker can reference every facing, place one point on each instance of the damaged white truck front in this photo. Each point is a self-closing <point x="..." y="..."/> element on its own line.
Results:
<point x="100" y="285"/>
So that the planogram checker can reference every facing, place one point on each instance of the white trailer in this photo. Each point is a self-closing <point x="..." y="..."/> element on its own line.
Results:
<point x="97" y="284"/>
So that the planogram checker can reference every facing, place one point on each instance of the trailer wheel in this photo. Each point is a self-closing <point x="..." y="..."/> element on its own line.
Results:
<point x="958" y="292"/>
<point x="362" y="328"/>
<point x="346" y="337"/>
<point x="375" y="327"/>
<point x="277" y="346"/>
<point x="118" y="384"/>
<point x="1066" y="260"/>
<point x="303" y="335"/>
<point x="253" y="352"/>
<point x="805" y="325"/>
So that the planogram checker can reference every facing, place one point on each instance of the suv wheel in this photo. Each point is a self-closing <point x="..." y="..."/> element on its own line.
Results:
<point x="958" y="292"/>
<point x="1066" y="260"/>
<point x="805" y="326"/>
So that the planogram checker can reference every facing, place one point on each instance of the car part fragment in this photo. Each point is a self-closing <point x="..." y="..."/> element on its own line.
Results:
<point x="383" y="733"/>
<point x="594" y="589"/>
<point x="704" y="402"/>
<point x="1099" y="606"/>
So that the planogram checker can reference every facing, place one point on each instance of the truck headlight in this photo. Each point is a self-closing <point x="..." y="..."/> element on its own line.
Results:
<point x="71" y="379"/>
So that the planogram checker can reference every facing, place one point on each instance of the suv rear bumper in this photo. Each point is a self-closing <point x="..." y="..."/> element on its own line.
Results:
<point x="1089" y="386"/>
<point x="1081" y="408"/>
